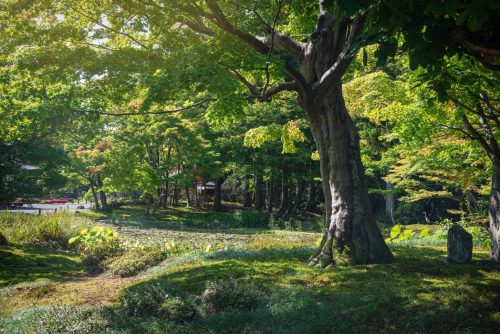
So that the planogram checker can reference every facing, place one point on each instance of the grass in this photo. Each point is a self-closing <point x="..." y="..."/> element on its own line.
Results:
<point x="52" y="230"/>
<point x="415" y="294"/>
<point x="28" y="263"/>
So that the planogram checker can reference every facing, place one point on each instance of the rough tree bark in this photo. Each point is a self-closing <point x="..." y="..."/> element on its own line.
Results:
<point x="494" y="215"/>
<point x="94" y="194"/>
<point x="350" y="228"/>
<point x="102" y="194"/>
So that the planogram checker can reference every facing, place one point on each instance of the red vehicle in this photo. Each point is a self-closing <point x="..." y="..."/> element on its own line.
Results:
<point x="56" y="201"/>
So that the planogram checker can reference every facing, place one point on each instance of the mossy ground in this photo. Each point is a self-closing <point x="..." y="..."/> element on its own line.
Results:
<point x="415" y="294"/>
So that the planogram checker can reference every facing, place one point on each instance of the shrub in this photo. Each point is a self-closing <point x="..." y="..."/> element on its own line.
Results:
<point x="230" y="294"/>
<point x="53" y="320"/>
<point x="177" y="309"/>
<point x="251" y="218"/>
<point x="96" y="244"/>
<point x="142" y="300"/>
<point x="132" y="262"/>
<point x="47" y="230"/>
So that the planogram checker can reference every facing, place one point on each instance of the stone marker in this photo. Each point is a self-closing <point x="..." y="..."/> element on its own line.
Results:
<point x="459" y="245"/>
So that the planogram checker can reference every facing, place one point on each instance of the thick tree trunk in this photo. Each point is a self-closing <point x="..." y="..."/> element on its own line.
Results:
<point x="102" y="194"/>
<point x="390" y="202"/>
<point x="494" y="215"/>
<point x="259" y="192"/>
<point x="218" y="194"/>
<point x="351" y="230"/>
<point x="248" y="195"/>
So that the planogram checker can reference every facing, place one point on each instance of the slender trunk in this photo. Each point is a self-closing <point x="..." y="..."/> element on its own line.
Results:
<point x="248" y="194"/>
<point x="164" y="200"/>
<point x="270" y="195"/>
<point x="197" y="195"/>
<point x="173" y="202"/>
<point x="351" y="230"/>
<point x="259" y="193"/>
<point x="494" y="216"/>
<point x="218" y="194"/>
<point x="188" y="199"/>
<point x="311" y="197"/>
<point x="149" y="202"/>
<point x="94" y="194"/>
<point x="298" y="196"/>
<point x="102" y="194"/>
<point x="390" y="202"/>
<point x="284" y="193"/>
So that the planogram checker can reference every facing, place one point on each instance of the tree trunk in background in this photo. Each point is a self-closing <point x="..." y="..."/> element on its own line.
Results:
<point x="102" y="194"/>
<point x="311" y="197"/>
<point x="298" y="197"/>
<point x="390" y="202"/>
<point x="173" y="202"/>
<point x="197" y="195"/>
<point x="188" y="199"/>
<point x="494" y="217"/>
<point x="285" y="201"/>
<point x="164" y="200"/>
<point x="218" y="194"/>
<point x="259" y="192"/>
<point x="270" y="195"/>
<point x="94" y="194"/>
<point x="149" y="202"/>
<point x="248" y="194"/>
<point x="351" y="229"/>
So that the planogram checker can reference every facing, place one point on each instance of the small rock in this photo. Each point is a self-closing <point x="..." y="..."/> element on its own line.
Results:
<point x="459" y="245"/>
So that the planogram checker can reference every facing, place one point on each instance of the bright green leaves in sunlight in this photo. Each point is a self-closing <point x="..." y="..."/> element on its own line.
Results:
<point x="289" y="134"/>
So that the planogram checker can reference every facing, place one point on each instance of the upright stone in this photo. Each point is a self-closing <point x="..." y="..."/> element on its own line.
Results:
<point x="459" y="245"/>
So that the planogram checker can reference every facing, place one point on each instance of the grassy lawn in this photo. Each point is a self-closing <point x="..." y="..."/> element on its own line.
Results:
<point x="272" y="290"/>
<point x="27" y="263"/>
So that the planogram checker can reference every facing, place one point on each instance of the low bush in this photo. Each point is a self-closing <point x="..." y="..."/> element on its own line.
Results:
<point x="142" y="300"/>
<point x="51" y="230"/>
<point x="251" y="218"/>
<point x="130" y="263"/>
<point x="230" y="293"/>
<point x="178" y="309"/>
<point x="54" y="320"/>
<point x="96" y="244"/>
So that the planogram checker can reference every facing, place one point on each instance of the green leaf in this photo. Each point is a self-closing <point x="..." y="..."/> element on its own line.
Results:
<point x="395" y="231"/>
<point x="405" y="235"/>
<point x="425" y="232"/>
<point x="72" y="240"/>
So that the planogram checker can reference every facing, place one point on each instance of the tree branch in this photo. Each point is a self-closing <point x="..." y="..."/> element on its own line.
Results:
<point x="335" y="72"/>
<point x="194" y="105"/>
<point x="285" y="42"/>
<point x="99" y="23"/>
